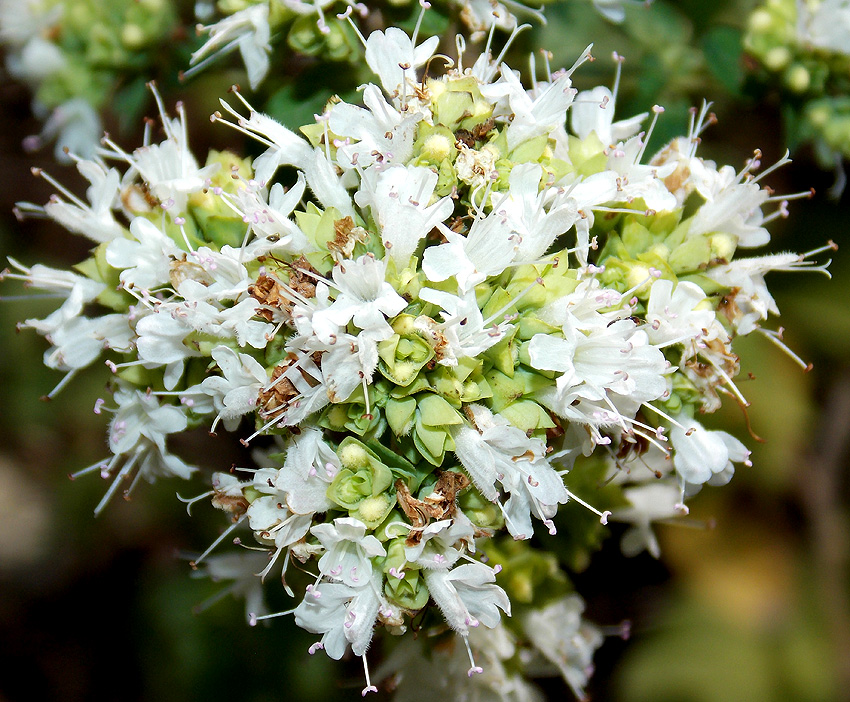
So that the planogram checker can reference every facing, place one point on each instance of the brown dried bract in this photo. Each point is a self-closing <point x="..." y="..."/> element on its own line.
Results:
<point x="281" y="392"/>
<point x="480" y="131"/>
<point x="234" y="505"/>
<point x="465" y="137"/>
<point x="300" y="278"/>
<point x="267" y="291"/>
<point x="346" y="237"/>
<point x="728" y="307"/>
<point x="440" y="504"/>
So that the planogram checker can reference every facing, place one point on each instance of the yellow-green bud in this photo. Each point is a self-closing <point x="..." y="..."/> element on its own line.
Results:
<point x="798" y="78"/>
<point x="437" y="147"/>
<point x="761" y="20"/>
<point x="777" y="58"/>
<point x="353" y="455"/>
<point x="132" y="36"/>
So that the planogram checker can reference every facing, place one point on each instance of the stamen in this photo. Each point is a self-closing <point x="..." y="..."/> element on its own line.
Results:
<point x="60" y="385"/>
<point x="723" y="374"/>
<point x="460" y="45"/>
<point x="215" y="56"/>
<point x="424" y="6"/>
<point x="254" y="618"/>
<point x="96" y="466"/>
<point x="194" y="564"/>
<point x="620" y="60"/>
<point x="657" y="110"/>
<point x="122" y="474"/>
<point x="40" y="173"/>
<point x="775" y="337"/>
<point x="473" y="669"/>
<point x="603" y="516"/>
<point x="781" y="162"/>
<point x="510" y="40"/>
<point x="369" y="686"/>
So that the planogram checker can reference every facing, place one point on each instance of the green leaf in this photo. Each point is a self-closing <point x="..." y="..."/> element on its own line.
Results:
<point x="723" y="51"/>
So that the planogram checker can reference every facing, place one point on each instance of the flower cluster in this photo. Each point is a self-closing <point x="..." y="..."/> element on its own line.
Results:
<point x="71" y="56"/>
<point x="319" y="28"/>
<point x="436" y="316"/>
<point x="805" y="44"/>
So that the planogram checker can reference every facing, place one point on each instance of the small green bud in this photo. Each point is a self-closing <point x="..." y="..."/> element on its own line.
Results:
<point x="132" y="36"/>
<point x="409" y="591"/>
<point x="760" y="21"/>
<point x="361" y="487"/>
<point x="692" y="255"/>
<point x="777" y="58"/>
<point x="438" y="146"/>
<point x="798" y="78"/>
<point x="483" y="513"/>
<point x="353" y="455"/>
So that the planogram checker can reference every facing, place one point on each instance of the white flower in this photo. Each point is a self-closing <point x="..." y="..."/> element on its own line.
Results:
<point x="76" y="289"/>
<point x="269" y="219"/>
<point x="635" y="180"/>
<point x="678" y="315"/>
<point x="248" y="30"/>
<point x="137" y="440"/>
<point x="462" y="333"/>
<point x="420" y="672"/>
<point x="348" y="551"/>
<point x="81" y="340"/>
<point x="141" y="421"/>
<point x="160" y="337"/>
<point x="702" y="456"/>
<point x="272" y="521"/>
<point x="285" y="148"/>
<point x="241" y="568"/>
<point x="364" y="297"/>
<point x="533" y="116"/>
<point x="467" y="595"/>
<point x="309" y="468"/>
<point x="824" y="24"/>
<point x="400" y="197"/>
<point x="144" y="260"/>
<point x="342" y="614"/>
<point x="615" y="359"/>
<point x="237" y="392"/>
<point x="649" y="502"/>
<point x="96" y="221"/>
<point x="733" y="203"/>
<point x="560" y="634"/>
<point x="480" y="15"/>
<point x="75" y="125"/>
<point x="442" y="543"/>
<point x="495" y="450"/>
<point x="745" y="279"/>
<point x="524" y="206"/>
<point x="38" y="60"/>
<point x="382" y="133"/>
<point x="169" y="170"/>
<point x="593" y="111"/>
<point x="394" y="59"/>
<point x="488" y="248"/>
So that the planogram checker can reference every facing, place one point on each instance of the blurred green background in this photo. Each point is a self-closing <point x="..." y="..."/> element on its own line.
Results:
<point x="750" y="600"/>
